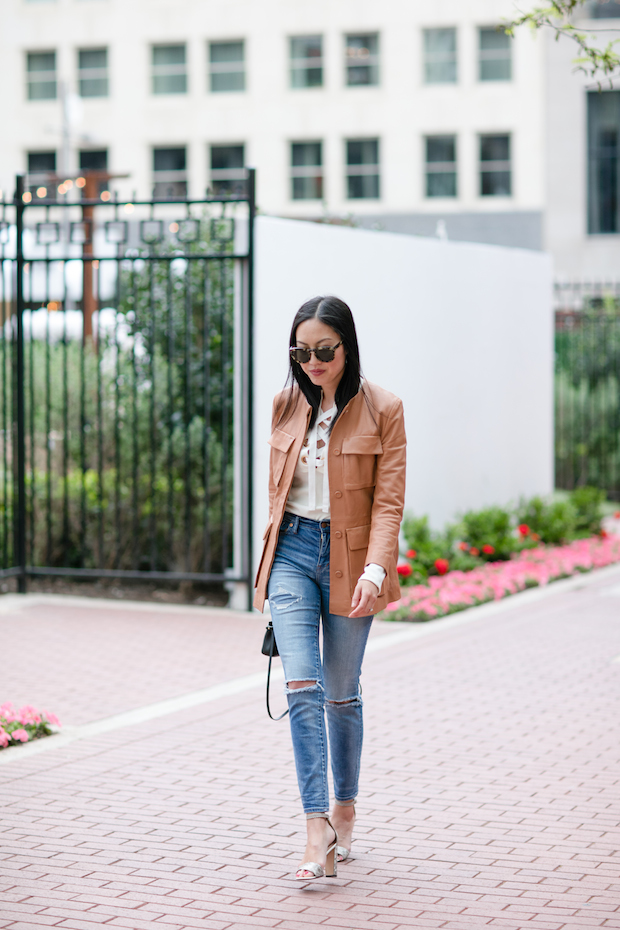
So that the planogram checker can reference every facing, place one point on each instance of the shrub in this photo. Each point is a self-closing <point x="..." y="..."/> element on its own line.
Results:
<point x="491" y="528"/>
<point x="553" y="521"/>
<point x="588" y="503"/>
<point x="432" y="550"/>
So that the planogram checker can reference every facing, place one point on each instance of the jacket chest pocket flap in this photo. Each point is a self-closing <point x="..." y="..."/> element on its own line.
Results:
<point x="280" y="443"/>
<point x="359" y="461"/>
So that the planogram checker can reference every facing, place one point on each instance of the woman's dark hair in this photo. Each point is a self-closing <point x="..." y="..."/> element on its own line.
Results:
<point x="334" y="313"/>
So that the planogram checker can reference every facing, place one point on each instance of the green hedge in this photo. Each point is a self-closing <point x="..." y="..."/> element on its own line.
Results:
<point x="494" y="533"/>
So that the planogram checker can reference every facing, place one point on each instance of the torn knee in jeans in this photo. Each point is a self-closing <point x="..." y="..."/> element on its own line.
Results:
<point x="352" y="700"/>
<point x="310" y="685"/>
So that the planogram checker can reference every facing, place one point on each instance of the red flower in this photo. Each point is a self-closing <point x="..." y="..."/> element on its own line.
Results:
<point x="464" y="546"/>
<point x="617" y="514"/>
<point x="411" y="553"/>
<point x="474" y="551"/>
<point x="604" y="534"/>
<point x="404" y="570"/>
<point x="488" y="549"/>
<point x="442" y="566"/>
<point x="524" y="529"/>
<point x="535" y="537"/>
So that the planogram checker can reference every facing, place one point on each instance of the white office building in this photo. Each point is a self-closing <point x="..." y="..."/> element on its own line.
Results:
<point x="410" y="115"/>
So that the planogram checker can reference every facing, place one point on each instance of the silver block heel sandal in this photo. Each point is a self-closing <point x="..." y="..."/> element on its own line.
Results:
<point x="331" y="861"/>
<point x="342" y="852"/>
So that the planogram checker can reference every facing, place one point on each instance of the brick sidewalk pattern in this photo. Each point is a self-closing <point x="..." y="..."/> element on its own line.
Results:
<point x="490" y="795"/>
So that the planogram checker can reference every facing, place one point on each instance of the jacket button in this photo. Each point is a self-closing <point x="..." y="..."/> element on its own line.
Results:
<point x="337" y="493"/>
<point x="338" y="574"/>
<point x="338" y="534"/>
<point x="336" y="451"/>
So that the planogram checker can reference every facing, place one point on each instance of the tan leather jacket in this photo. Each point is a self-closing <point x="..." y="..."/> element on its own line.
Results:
<point x="366" y="466"/>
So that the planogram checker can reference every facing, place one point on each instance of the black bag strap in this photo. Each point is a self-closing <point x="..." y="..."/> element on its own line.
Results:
<point x="271" y="648"/>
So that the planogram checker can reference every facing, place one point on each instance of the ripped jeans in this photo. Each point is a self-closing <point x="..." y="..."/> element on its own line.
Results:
<point x="298" y="594"/>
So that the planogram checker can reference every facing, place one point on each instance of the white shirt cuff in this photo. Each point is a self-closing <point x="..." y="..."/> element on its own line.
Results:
<point x="374" y="573"/>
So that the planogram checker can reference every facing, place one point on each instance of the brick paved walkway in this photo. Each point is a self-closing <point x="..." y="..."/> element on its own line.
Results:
<point x="490" y="793"/>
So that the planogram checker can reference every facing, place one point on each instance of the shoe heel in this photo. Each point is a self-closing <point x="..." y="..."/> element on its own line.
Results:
<point x="331" y="863"/>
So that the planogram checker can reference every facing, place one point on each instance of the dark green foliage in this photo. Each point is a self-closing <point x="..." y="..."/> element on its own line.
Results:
<point x="462" y="545"/>
<point x="492" y="526"/>
<point x="588" y="504"/>
<point x="130" y="441"/>
<point x="587" y="399"/>
<point x="553" y="521"/>
<point x="430" y="546"/>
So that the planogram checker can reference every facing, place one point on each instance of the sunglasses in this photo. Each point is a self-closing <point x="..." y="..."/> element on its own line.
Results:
<point x="322" y="353"/>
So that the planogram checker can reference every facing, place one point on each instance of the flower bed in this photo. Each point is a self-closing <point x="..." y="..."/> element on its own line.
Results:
<point x="24" y="725"/>
<point x="458" y="590"/>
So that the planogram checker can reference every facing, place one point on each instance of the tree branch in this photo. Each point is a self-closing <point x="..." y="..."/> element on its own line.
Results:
<point x="557" y="16"/>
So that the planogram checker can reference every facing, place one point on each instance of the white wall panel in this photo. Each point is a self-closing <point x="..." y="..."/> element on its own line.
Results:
<point x="462" y="332"/>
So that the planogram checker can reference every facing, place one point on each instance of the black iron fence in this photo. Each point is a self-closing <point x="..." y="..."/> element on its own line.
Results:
<point x="587" y="386"/>
<point x="125" y="403"/>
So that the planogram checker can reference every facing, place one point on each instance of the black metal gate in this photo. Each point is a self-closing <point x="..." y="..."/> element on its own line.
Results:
<point x="587" y="386"/>
<point x="125" y="373"/>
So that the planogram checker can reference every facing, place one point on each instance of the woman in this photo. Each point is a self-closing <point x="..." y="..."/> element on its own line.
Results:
<point x="336" y="490"/>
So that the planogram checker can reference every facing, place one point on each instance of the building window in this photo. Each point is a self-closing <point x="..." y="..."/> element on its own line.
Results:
<point x="169" y="174"/>
<point x="606" y="9"/>
<point x="228" y="173"/>
<point x="604" y="162"/>
<point x="93" y="72"/>
<point x="41" y="171"/>
<point x="440" y="56"/>
<point x="307" y="61"/>
<point x="169" y="69"/>
<point x="495" y="168"/>
<point x="495" y="55"/>
<point x="306" y="170"/>
<point x="362" y="60"/>
<point x="226" y="66"/>
<point x="441" y="166"/>
<point x="41" y="75"/>
<point x="362" y="169"/>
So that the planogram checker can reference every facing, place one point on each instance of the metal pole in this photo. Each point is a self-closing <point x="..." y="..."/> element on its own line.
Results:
<point x="20" y="523"/>
<point x="89" y="300"/>
<point x="250" y="385"/>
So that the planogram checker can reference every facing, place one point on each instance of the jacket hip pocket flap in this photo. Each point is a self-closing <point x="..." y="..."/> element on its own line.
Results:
<point x="358" y="537"/>
<point x="281" y="441"/>
<point x="362" y="445"/>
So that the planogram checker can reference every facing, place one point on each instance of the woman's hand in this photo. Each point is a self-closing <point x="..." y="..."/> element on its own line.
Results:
<point x="364" y="598"/>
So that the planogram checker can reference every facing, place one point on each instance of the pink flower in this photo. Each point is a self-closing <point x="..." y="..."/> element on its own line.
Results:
<point x="20" y="735"/>
<point x="494" y="580"/>
<point x="4" y="738"/>
<point x="51" y="718"/>
<point x="7" y="713"/>
<point x="28" y="714"/>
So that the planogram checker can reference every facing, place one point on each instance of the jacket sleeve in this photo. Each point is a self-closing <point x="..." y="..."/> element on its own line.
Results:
<point x="275" y="413"/>
<point x="389" y="497"/>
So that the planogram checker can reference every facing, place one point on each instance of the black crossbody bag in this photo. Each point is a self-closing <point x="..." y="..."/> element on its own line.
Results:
<point x="270" y="648"/>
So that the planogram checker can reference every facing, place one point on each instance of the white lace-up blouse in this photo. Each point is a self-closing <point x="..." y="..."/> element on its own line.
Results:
<point x="309" y="494"/>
